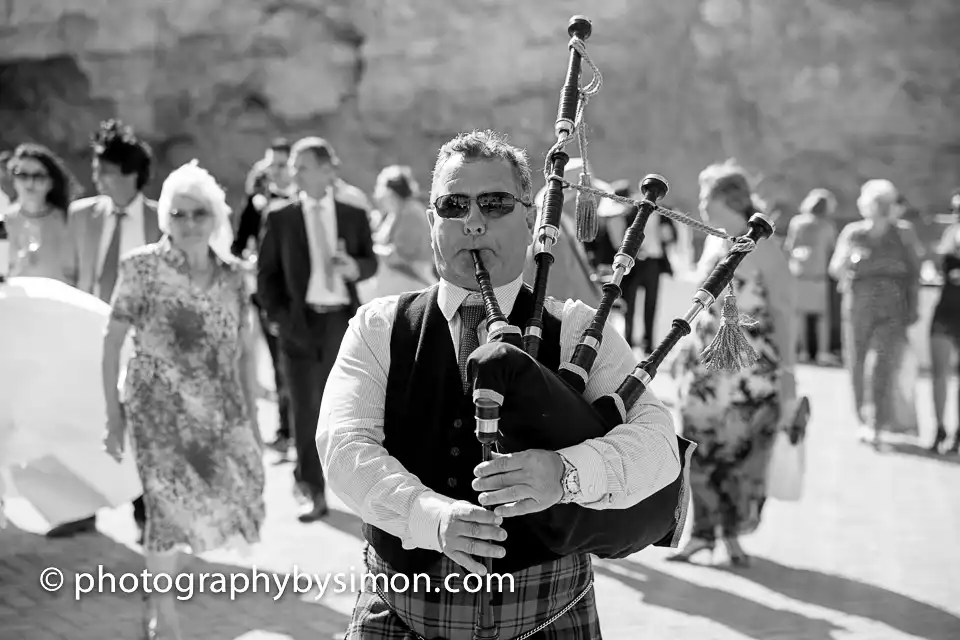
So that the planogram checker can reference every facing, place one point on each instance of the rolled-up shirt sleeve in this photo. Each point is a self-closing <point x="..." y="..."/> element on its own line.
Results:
<point x="635" y="459"/>
<point x="350" y="437"/>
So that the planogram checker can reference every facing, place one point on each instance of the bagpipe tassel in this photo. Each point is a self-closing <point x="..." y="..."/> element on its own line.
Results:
<point x="730" y="350"/>
<point x="587" y="223"/>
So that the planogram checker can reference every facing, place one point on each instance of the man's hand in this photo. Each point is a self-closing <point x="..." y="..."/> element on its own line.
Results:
<point x="521" y="483"/>
<point x="346" y="267"/>
<point x="465" y="531"/>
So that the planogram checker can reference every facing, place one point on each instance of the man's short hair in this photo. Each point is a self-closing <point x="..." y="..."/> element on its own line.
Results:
<point x="486" y="145"/>
<point x="117" y="144"/>
<point x="319" y="147"/>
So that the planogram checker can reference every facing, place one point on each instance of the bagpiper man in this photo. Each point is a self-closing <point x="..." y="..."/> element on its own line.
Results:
<point x="396" y="441"/>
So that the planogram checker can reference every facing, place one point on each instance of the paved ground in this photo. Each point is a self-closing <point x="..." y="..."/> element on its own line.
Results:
<point x="871" y="552"/>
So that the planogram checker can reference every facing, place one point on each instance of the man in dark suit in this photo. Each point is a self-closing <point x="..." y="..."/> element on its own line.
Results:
<point x="106" y="227"/>
<point x="313" y="251"/>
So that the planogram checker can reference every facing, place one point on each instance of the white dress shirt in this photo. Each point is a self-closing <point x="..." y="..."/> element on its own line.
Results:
<point x="630" y="463"/>
<point x="320" y="218"/>
<point x="131" y="235"/>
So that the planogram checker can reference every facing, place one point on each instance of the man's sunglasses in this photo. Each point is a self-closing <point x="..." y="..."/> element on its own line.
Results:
<point x="182" y="214"/>
<point x="494" y="204"/>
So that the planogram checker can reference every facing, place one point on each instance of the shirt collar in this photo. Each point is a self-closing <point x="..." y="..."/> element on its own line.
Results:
<point x="316" y="202"/>
<point x="451" y="296"/>
<point x="134" y="208"/>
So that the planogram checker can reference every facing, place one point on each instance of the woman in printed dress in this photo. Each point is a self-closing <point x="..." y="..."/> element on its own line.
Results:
<point x="734" y="416"/>
<point x="189" y="393"/>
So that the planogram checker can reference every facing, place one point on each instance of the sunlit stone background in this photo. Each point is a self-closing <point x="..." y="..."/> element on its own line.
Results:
<point x="804" y="92"/>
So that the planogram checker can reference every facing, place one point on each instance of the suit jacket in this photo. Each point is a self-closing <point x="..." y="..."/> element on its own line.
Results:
<point x="85" y="220"/>
<point x="251" y="219"/>
<point x="283" y="267"/>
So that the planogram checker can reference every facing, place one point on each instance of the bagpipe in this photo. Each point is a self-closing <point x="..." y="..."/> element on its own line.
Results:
<point x="520" y="404"/>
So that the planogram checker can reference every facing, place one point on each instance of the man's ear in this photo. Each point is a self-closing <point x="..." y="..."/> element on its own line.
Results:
<point x="431" y="217"/>
<point x="531" y="219"/>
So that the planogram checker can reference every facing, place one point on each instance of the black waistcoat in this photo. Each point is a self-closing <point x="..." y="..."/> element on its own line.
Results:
<point x="429" y="423"/>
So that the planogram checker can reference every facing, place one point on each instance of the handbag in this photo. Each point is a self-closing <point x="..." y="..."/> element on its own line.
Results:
<point x="785" y="469"/>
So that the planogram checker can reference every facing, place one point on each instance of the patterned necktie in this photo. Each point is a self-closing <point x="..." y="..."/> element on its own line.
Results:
<point x="471" y="313"/>
<point x="322" y="246"/>
<point x="111" y="261"/>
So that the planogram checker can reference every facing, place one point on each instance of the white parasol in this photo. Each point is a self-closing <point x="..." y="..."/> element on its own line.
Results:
<point x="52" y="410"/>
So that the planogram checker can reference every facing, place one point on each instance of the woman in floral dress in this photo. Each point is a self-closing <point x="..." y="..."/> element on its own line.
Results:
<point x="734" y="416"/>
<point x="189" y="400"/>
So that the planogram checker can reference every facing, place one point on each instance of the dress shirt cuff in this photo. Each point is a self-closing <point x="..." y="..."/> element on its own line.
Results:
<point x="590" y="468"/>
<point x="425" y="521"/>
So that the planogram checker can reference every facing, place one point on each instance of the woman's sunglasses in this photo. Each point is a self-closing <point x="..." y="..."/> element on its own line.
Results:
<point x="197" y="215"/>
<point x="494" y="204"/>
<point x="27" y="175"/>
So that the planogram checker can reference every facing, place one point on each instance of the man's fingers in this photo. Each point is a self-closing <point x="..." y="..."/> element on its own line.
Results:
<point x="473" y="513"/>
<point x="510" y="494"/>
<point x="501" y="463"/>
<point x="519" y="508"/>
<point x="467" y="562"/>
<point x="500" y="480"/>
<point x="473" y="547"/>
<point x="479" y="531"/>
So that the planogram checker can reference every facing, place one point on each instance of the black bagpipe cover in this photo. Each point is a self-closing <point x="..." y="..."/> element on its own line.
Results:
<point x="541" y="411"/>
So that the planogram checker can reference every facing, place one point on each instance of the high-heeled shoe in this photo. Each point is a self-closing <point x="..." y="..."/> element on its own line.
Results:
<point x="955" y="447"/>
<point x="738" y="557"/>
<point x="939" y="439"/>
<point x="693" y="547"/>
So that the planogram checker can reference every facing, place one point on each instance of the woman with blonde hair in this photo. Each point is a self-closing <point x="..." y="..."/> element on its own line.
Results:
<point x="877" y="263"/>
<point x="734" y="416"/>
<point x="401" y="236"/>
<point x="188" y="403"/>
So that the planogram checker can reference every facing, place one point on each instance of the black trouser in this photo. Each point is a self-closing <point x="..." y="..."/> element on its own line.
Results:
<point x="306" y="370"/>
<point x="283" y="396"/>
<point x="645" y="274"/>
<point x="139" y="511"/>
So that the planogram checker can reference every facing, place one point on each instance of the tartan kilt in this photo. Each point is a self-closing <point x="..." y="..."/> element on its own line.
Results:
<point x="450" y="613"/>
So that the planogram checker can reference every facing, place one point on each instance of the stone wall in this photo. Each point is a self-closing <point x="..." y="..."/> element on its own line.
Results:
<point x="804" y="92"/>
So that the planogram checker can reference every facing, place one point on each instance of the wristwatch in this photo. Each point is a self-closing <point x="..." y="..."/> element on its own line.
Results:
<point x="570" y="482"/>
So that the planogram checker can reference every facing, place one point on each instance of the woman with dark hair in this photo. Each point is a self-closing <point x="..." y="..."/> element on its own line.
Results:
<point x="945" y="326"/>
<point x="734" y="416"/>
<point x="37" y="220"/>
<point x="401" y="237"/>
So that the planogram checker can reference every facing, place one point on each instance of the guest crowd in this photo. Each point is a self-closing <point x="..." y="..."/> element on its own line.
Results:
<point x="197" y="286"/>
